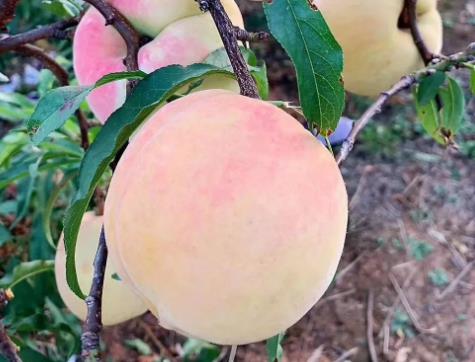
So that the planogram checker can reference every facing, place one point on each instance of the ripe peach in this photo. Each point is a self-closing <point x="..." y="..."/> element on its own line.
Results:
<point x="377" y="52"/>
<point x="119" y="302"/>
<point x="227" y="216"/>
<point x="180" y="34"/>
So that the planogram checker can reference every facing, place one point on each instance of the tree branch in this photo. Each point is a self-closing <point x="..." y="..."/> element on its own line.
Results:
<point x="7" y="347"/>
<point x="228" y="35"/>
<point x="93" y="325"/>
<point x="408" y="20"/>
<point x="7" y="11"/>
<point x="62" y="76"/>
<point x="445" y="64"/>
<point x="57" y="30"/>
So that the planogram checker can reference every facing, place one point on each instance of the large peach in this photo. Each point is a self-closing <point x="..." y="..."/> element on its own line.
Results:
<point x="230" y="224"/>
<point x="180" y="34"/>
<point x="377" y="52"/>
<point x="119" y="302"/>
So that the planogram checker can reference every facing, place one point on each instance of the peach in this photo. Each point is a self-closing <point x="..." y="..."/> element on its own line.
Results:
<point x="227" y="216"/>
<point x="181" y="35"/>
<point x="119" y="302"/>
<point x="377" y="52"/>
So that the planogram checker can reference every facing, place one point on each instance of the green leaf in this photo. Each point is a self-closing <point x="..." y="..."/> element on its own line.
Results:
<point x="17" y="99"/>
<point x="54" y="109"/>
<point x="429" y="116"/>
<point x="275" y="352"/>
<point x="318" y="59"/>
<point x="154" y="90"/>
<point x="472" y="81"/>
<point x="453" y="109"/>
<point x="258" y="69"/>
<point x="23" y="208"/>
<point x="429" y="87"/>
<point x="140" y="346"/>
<point x="197" y="350"/>
<point x="112" y="77"/>
<point x="25" y="271"/>
<point x="4" y="235"/>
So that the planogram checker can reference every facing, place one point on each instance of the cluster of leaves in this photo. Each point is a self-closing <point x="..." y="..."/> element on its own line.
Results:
<point x="35" y="187"/>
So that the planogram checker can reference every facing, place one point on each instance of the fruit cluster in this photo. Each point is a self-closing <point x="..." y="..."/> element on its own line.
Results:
<point x="228" y="226"/>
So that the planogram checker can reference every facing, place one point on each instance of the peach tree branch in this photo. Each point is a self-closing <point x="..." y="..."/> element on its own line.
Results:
<point x="228" y="35"/>
<point x="443" y="64"/>
<point x="92" y="328"/>
<point x="56" y="30"/>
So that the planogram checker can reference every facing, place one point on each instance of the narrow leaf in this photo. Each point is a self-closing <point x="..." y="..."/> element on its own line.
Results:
<point x="25" y="271"/>
<point x="112" y="77"/>
<point x="429" y="87"/>
<point x="155" y="89"/>
<point x="318" y="59"/>
<point x="54" y="109"/>
<point x="472" y="81"/>
<point x="453" y="109"/>
<point x="275" y="352"/>
<point x="258" y="69"/>
<point x="429" y="116"/>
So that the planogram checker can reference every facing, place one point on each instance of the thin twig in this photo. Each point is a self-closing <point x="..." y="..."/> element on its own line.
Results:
<point x="370" y="327"/>
<point x="57" y="30"/>
<point x="7" y="348"/>
<point x="93" y="325"/>
<point x="247" y="36"/>
<point x="456" y="281"/>
<point x="228" y="35"/>
<point x="335" y="296"/>
<point x="409" y="21"/>
<point x="164" y="351"/>
<point x="7" y="11"/>
<point x="47" y="61"/>
<point x="347" y="354"/>
<point x="407" y="306"/>
<point x="446" y="64"/>
<point x="62" y="76"/>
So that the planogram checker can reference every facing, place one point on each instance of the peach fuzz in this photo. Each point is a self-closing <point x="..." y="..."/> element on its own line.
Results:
<point x="227" y="216"/>
<point x="180" y="34"/>
<point x="119" y="302"/>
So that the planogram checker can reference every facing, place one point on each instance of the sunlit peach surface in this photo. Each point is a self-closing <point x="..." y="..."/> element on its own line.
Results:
<point x="227" y="216"/>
